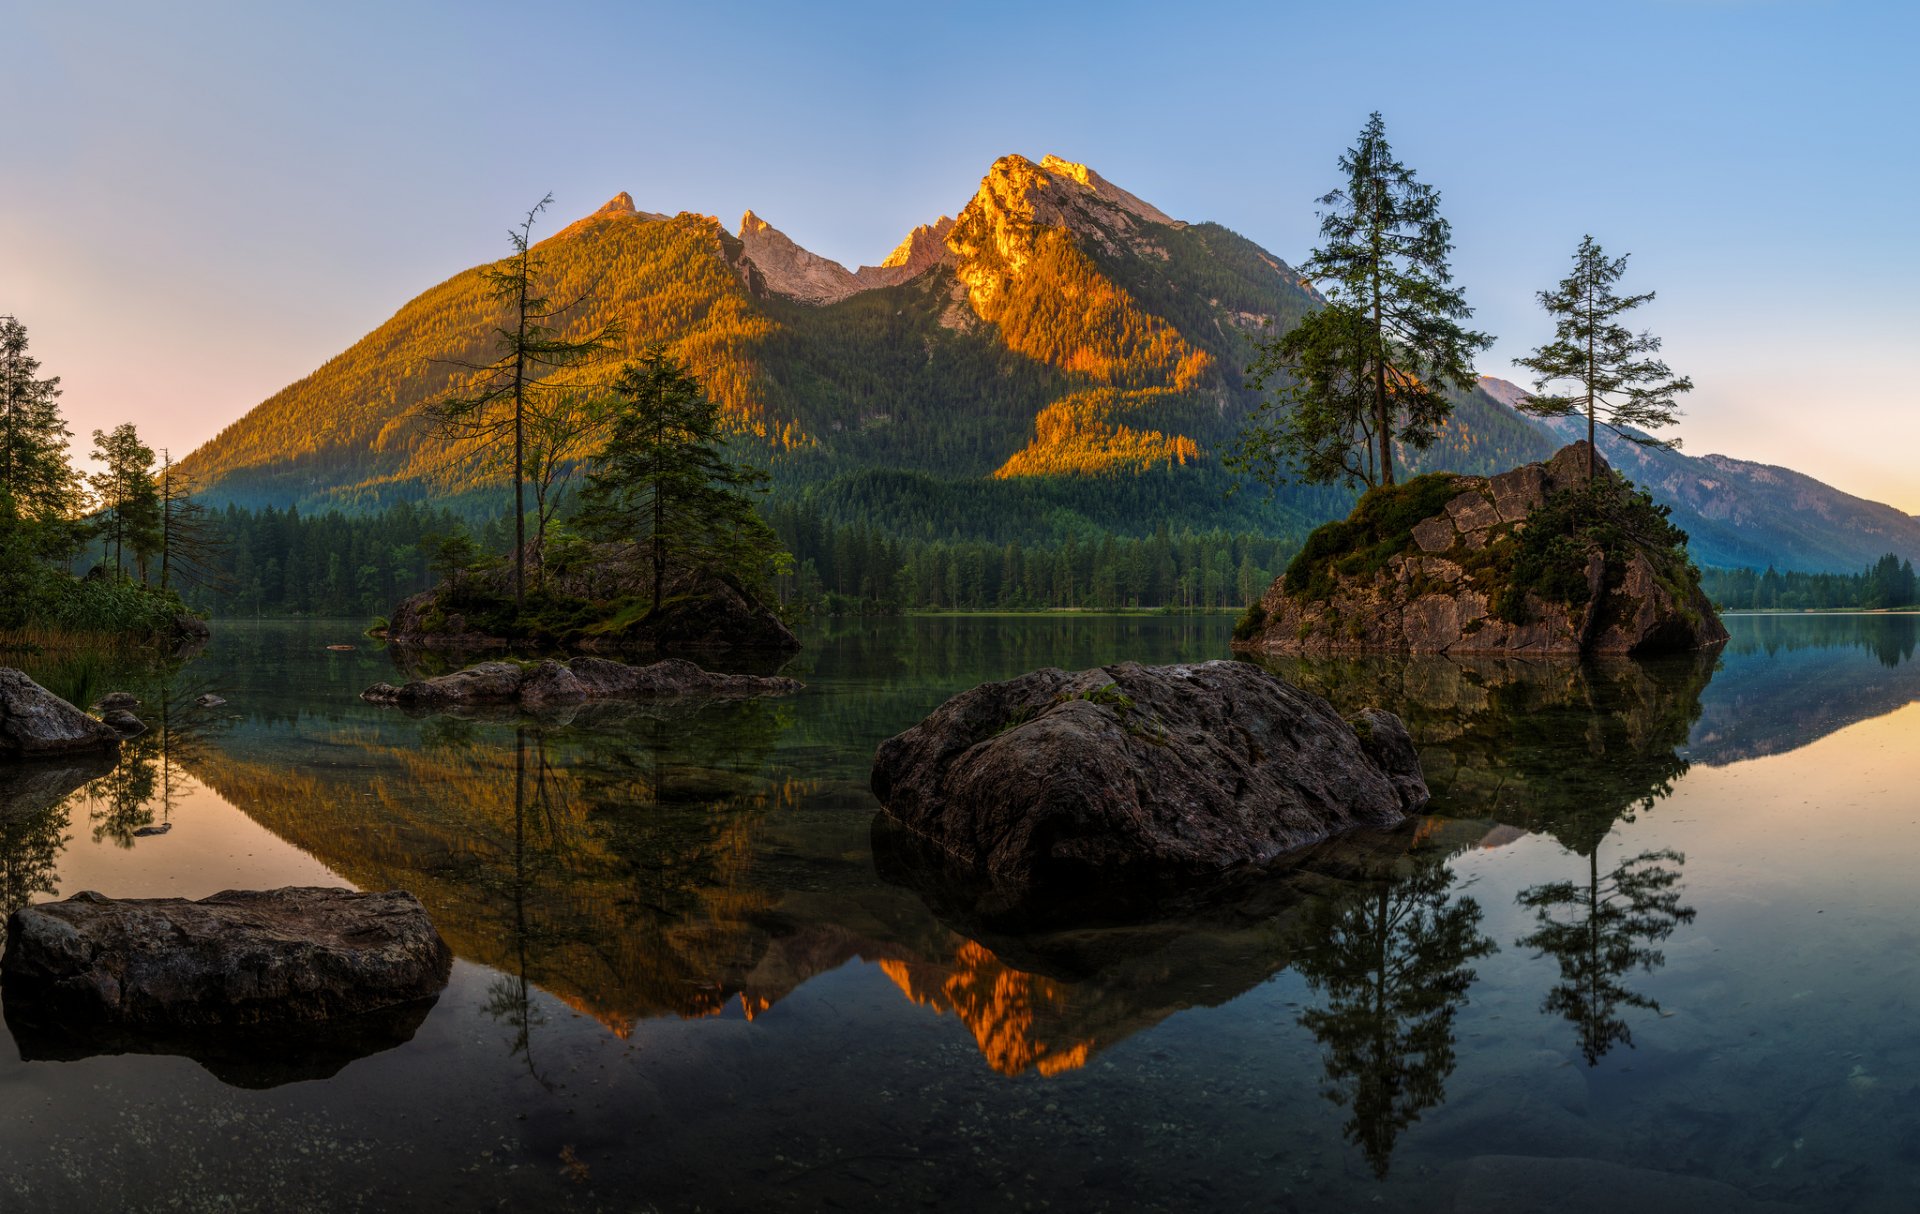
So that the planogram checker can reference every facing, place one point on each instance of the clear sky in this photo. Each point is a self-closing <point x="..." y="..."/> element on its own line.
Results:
<point x="202" y="202"/>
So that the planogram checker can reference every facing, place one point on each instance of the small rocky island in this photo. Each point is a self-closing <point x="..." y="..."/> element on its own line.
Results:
<point x="1538" y="561"/>
<point x="551" y="684"/>
<point x="1141" y="770"/>
<point x="595" y="608"/>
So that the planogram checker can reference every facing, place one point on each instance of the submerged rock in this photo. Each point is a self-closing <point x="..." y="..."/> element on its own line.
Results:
<point x="1388" y="579"/>
<point x="242" y="957"/>
<point x="35" y="723"/>
<point x="209" y="700"/>
<point x="117" y="699"/>
<point x="551" y="684"/>
<point x="123" y="722"/>
<point x="1141" y="769"/>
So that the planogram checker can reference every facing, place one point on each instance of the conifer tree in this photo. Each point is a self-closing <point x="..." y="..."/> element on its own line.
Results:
<point x="663" y="481"/>
<point x="531" y="349"/>
<point x="124" y="490"/>
<point x="1375" y="364"/>
<point x="36" y="481"/>
<point x="1622" y="386"/>
<point x="192" y="542"/>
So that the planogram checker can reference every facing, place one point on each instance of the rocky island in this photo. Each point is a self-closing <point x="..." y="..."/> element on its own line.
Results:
<point x="550" y="683"/>
<point x="1538" y="561"/>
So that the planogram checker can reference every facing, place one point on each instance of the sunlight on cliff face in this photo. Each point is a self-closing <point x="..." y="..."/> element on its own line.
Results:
<point x="1001" y="1007"/>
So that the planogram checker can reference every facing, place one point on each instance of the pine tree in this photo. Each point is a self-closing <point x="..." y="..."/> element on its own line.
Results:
<point x="531" y="350"/>
<point x="1374" y="365"/>
<point x="1621" y="385"/>
<point x="124" y="490"/>
<point x="36" y="481"/>
<point x="662" y="480"/>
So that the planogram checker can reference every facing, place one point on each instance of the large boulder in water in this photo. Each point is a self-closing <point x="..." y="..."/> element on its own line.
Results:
<point x="242" y="957"/>
<point x="1142" y="769"/>
<point x="35" y="723"/>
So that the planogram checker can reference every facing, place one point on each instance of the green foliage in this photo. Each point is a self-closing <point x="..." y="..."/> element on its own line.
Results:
<point x="1548" y="558"/>
<point x="126" y="497"/>
<point x="1380" y="528"/>
<point x="36" y="482"/>
<point x="663" y="482"/>
<point x="1887" y="583"/>
<point x="1251" y="621"/>
<point x="1375" y="366"/>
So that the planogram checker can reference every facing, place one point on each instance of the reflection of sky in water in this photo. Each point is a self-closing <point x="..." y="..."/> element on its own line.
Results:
<point x="789" y="1028"/>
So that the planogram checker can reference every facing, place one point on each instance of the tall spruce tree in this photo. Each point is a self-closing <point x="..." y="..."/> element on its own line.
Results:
<point x="663" y="481"/>
<point x="531" y="350"/>
<point x="36" y="481"/>
<point x="1375" y="364"/>
<point x="1622" y="386"/>
<point x="125" y="493"/>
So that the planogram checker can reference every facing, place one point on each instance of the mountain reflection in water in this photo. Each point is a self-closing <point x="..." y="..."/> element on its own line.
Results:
<point x="696" y="862"/>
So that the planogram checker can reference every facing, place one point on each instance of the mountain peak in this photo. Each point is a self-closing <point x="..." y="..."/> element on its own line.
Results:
<point x="787" y="269"/>
<point x="619" y="204"/>
<point x="923" y="247"/>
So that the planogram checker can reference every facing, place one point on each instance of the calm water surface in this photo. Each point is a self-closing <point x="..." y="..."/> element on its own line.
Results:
<point x="1655" y="949"/>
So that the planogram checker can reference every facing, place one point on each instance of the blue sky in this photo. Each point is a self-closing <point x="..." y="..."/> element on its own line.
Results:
<point x="203" y="202"/>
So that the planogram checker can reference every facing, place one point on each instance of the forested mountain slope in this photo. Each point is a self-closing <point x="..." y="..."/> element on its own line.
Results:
<point x="1060" y="354"/>
<point x="1061" y="357"/>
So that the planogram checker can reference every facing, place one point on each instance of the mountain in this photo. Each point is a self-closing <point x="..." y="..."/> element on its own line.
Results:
<point x="1741" y="514"/>
<point x="1058" y="354"/>
<point x="1059" y="357"/>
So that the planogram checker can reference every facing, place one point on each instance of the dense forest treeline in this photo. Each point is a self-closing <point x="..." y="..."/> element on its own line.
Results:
<point x="290" y="563"/>
<point x="1888" y="582"/>
<point x="286" y="562"/>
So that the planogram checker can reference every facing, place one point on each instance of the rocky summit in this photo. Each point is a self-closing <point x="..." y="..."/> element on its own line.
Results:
<point x="1133" y="769"/>
<point x="1537" y="561"/>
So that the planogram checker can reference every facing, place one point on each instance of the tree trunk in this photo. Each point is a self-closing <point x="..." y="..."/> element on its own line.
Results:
<point x="1593" y="448"/>
<point x="519" y="439"/>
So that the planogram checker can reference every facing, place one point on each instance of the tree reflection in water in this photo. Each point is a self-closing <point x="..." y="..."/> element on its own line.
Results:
<point x="1599" y="933"/>
<point x="541" y="814"/>
<point x="1393" y="968"/>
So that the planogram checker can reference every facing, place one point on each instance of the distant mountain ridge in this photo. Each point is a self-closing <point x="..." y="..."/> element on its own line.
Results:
<point x="1738" y="513"/>
<point x="987" y="379"/>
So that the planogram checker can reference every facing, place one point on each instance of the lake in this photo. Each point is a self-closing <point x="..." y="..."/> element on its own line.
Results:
<point x="1655" y="948"/>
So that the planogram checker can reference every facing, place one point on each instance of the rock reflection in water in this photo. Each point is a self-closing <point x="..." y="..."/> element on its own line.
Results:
<point x="1367" y="918"/>
<point x="611" y="862"/>
<point x="246" y="1057"/>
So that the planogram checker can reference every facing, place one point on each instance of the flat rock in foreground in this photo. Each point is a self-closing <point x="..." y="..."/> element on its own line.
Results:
<point x="1142" y="769"/>
<point x="35" y="723"/>
<point x="551" y="683"/>
<point x="241" y="957"/>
